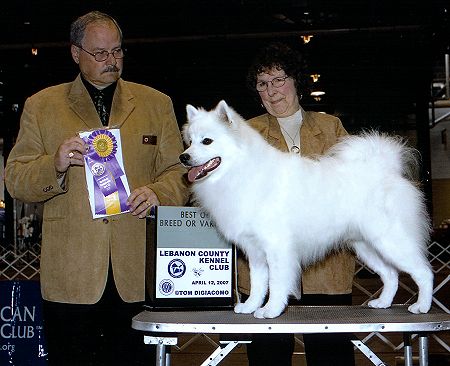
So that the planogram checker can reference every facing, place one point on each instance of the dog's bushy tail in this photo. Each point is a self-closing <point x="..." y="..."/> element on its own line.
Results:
<point x="397" y="156"/>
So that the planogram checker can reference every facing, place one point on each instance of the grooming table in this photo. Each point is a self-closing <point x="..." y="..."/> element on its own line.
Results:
<point x="163" y="327"/>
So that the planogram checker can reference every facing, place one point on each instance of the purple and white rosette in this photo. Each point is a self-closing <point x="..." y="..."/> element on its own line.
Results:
<point x="109" y="190"/>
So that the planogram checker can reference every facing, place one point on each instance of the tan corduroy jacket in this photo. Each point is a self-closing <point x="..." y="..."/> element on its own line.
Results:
<point x="76" y="249"/>
<point x="318" y="132"/>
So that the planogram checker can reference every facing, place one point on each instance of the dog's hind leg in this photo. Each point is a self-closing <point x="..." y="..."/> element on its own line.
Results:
<point x="259" y="274"/>
<point x="403" y="253"/>
<point x="284" y="271"/>
<point x="388" y="274"/>
<point x="407" y="256"/>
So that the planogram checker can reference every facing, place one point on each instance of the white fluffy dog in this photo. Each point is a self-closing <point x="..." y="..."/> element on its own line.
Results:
<point x="286" y="211"/>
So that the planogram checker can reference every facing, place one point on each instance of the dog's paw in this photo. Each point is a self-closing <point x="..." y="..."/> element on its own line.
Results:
<point x="417" y="308"/>
<point x="244" y="308"/>
<point x="267" y="313"/>
<point x="379" y="304"/>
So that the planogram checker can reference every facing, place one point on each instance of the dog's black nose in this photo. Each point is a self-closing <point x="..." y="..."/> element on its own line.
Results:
<point x="184" y="158"/>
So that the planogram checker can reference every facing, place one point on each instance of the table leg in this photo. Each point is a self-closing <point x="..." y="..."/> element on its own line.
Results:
<point x="408" y="349"/>
<point x="372" y="357"/>
<point x="160" y="354"/>
<point x="221" y="352"/>
<point x="423" y="349"/>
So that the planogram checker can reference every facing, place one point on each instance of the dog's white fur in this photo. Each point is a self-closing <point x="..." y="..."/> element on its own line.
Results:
<point x="286" y="211"/>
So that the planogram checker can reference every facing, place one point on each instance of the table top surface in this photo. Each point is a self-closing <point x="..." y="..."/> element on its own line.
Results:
<point x="296" y="319"/>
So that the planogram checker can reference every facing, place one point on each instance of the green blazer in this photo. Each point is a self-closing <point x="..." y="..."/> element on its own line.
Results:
<point x="318" y="132"/>
<point x="76" y="249"/>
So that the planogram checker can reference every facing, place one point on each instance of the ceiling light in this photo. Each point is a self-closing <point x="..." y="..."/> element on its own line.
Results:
<point x="307" y="38"/>
<point x="316" y="88"/>
<point x="317" y="93"/>
<point x="315" y="77"/>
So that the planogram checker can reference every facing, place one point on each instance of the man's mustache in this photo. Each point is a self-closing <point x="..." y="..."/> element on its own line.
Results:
<point x="111" y="68"/>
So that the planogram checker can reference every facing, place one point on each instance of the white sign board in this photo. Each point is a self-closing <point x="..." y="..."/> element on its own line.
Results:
<point x="192" y="259"/>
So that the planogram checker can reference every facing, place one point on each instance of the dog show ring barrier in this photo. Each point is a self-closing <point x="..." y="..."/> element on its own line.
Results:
<point x="162" y="327"/>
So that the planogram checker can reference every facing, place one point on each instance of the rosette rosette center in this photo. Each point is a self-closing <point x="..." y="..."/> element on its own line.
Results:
<point x="104" y="145"/>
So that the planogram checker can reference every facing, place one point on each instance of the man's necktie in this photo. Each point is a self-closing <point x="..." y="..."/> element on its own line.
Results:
<point x="101" y="108"/>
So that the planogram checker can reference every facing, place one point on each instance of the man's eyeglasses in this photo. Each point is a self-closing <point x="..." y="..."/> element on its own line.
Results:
<point x="103" y="55"/>
<point x="276" y="83"/>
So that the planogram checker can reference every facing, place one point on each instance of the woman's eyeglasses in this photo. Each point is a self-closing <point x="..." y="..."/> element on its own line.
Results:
<point x="277" y="82"/>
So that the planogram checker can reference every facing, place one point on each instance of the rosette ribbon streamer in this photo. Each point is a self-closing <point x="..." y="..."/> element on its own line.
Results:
<point x="109" y="191"/>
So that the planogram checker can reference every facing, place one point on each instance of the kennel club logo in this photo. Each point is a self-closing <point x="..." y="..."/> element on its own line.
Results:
<point x="176" y="268"/>
<point x="98" y="169"/>
<point x="166" y="287"/>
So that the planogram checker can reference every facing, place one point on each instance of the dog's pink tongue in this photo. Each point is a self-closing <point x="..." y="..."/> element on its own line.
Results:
<point x="197" y="172"/>
<point x="194" y="172"/>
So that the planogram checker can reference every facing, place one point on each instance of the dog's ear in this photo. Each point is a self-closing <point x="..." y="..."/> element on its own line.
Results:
<point x="222" y="104"/>
<point x="224" y="112"/>
<point x="191" y="111"/>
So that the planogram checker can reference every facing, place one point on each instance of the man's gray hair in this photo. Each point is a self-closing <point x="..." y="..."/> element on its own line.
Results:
<point x="78" y="27"/>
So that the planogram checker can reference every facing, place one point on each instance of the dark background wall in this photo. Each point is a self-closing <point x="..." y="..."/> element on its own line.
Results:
<point x="377" y="59"/>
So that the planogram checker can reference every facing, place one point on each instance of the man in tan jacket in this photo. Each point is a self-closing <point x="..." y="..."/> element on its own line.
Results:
<point x="92" y="270"/>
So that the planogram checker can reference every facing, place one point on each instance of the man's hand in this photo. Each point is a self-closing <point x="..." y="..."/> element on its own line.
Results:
<point x="141" y="200"/>
<point x="70" y="152"/>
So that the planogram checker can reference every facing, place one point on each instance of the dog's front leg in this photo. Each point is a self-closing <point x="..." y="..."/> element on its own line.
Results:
<point x="259" y="277"/>
<point x="284" y="272"/>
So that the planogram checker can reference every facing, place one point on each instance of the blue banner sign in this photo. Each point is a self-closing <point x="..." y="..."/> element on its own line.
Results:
<point x="21" y="326"/>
